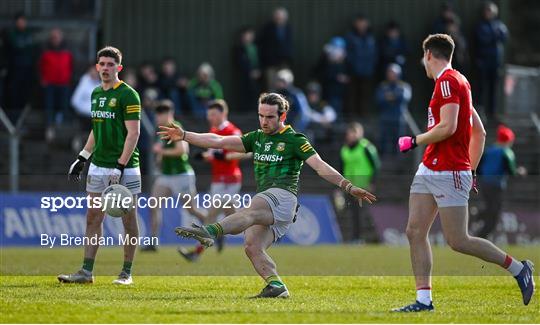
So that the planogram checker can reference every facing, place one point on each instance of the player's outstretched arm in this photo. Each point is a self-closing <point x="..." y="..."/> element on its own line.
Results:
<point x="203" y="140"/>
<point x="77" y="166"/>
<point x="333" y="176"/>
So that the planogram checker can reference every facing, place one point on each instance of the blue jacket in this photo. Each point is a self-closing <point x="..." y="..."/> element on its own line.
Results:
<point x="490" y="37"/>
<point x="496" y="163"/>
<point x="299" y="112"/>
<point x="391" y="110"/>
<point x="361" y="54"/>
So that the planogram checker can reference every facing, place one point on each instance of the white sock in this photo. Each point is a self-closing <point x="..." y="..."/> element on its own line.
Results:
<point x="515" y="267"/>
<point x="423" y="295"/>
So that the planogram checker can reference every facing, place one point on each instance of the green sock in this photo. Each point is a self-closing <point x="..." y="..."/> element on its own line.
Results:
<point x="215" y="229"/>
<point x="88" y="264"/>
<point x="275" y="281"/>
<point x="127" y="267"/>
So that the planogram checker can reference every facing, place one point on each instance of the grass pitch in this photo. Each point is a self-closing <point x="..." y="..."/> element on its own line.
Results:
<point x="329" y="284"/>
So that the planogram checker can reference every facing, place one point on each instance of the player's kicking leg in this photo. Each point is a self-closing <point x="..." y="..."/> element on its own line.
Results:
<point x="257" y="240"/>
<point x="257" y="214"/>
<point x="454" y="221"/>
<point x="194" y="254"/>
<point x="422" y="212"/>
<point x="94" y="221"/>
<point x="270" y="215"/>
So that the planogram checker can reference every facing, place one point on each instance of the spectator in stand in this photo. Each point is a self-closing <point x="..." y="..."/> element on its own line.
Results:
<point x="56" y="69"/>
<point x="360" y="162"/>
<point x="392" y="97"/>
<point x="246" y="58"/>
<point x="20" y="57"/>
<point x="446" y="15"/>
<point x="169" y="84"/>
<point x="275" y="45"/>
<point x="202" y="89"/>
<point x="299" y="114"/>
<point x="361" y="63"/>
<point x="331" y="73"/>
<point x="496" y="164"/>
<point x="130" y="77"/>
<point x="460" y="58"/>
<point x="148" y="78"/>
<point x="393" y="47"/>
<point x="80" y="101"/>
<point x="491" y="34"/>
<point x="322" y="114"/>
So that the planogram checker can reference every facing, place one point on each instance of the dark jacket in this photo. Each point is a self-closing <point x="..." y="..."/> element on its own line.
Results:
<point x="275" y="45"/>
<point x="361" y="54"/>
<point x="490" y="38"/>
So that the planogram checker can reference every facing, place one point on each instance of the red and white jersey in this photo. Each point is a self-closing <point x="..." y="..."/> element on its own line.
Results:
<point x="226" y="171"/>
<point x="453" y="152"/>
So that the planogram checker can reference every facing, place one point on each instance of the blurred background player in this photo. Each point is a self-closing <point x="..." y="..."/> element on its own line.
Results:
<point x="455" y="140"/>
<point x="177" y="176"/>
<point x="279" y="154"/>
<point x="360" y="162"/>
<point x="112" y="143"/>
<point x="497" y="163"/>
<point x="226" y="173"/>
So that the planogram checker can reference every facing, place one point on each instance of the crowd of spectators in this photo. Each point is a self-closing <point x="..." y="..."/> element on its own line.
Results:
<point x="358" y="74"/>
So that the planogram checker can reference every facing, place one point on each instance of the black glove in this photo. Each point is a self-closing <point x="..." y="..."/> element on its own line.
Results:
<point x="219" y="155"/>
<point x="474" y="181"/>
<point x="77" y="166"/>
<point x="198" y="156"/>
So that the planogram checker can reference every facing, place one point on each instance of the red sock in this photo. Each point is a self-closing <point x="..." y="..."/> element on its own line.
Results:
<point x="507" y="261"/>
<point x="199" y="249"/>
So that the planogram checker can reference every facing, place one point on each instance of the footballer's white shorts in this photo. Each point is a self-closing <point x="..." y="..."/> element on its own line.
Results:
<point x="284" y="207"/>
<point x="178" y="184"/>
<point x="98" y="179"/>
<point x="219" y="189"/>
<point x="449" y="188"/>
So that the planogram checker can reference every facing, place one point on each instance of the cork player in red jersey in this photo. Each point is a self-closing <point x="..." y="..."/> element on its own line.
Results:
<point x="455" y="142"/>
<point x="226" y="173"/>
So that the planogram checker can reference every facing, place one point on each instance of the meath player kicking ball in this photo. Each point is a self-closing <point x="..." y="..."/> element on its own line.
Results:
<point x="116" y="114"/>
<point x="278" y="154"/>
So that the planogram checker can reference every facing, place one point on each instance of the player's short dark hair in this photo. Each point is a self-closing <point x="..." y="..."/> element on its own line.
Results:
<point x="164" y="106"/>
<point x="440" y="45"/>
<point x="275" y="99"/>
<point x="220" y="105"/>
<point x="110" y="52"/>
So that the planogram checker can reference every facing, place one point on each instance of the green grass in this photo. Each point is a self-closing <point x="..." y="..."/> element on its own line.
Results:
<point x="326" y="282"/>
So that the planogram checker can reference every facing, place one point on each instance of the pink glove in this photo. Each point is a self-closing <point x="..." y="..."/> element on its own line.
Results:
<point x="406" y="143"/>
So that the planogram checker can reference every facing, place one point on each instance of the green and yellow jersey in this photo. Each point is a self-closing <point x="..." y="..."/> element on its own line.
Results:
<point x="174" y="165"/>
<point x="110" y="108"/>
<point x="278" y="158"/>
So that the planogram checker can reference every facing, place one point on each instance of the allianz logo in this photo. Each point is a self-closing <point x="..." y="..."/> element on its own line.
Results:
<point x="103" y="114"/>
<point x="267" y="157"/>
